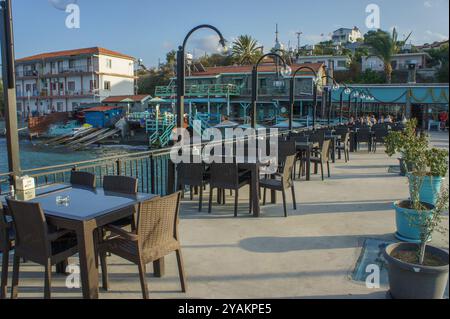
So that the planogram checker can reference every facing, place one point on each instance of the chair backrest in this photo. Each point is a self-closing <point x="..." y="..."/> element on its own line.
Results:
<point x="325" y="150"/>
<point x="31" y="230"/>
<point x="287" y="171"/>
<point x="191" y="174"/>
<point x="363" y="135"/>
<point x="158" y="221"/>
<point x="345" y="138"/>
<point x="4" y="230"/>
<point x="224" y="175"/>
<point x="380" y="134"/>
<point x="286" y="149"/>
<point x="120" y="184"/>
<point x="82" y="179"/>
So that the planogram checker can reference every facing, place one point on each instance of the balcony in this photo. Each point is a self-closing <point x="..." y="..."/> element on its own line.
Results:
<point x="203" y="90"/>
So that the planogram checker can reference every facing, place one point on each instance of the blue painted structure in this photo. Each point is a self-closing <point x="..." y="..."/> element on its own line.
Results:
<point x="402" y="93"/>
<point x="103" y="116"/>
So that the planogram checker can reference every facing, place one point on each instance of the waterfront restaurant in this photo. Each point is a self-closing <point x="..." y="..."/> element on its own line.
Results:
<point x="324" y="213"/>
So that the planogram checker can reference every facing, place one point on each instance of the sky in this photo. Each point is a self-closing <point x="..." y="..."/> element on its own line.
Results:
<point x="148" y="29"/>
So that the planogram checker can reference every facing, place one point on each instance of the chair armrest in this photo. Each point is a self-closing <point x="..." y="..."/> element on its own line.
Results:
<point x="120" y="232"/>
<point x="57" y="235"/>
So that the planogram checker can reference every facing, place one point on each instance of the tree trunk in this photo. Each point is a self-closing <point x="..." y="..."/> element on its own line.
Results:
<point x="388" y="71"/>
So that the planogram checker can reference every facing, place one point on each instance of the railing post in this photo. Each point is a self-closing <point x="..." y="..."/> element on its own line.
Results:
<point x="118" y="167"/>
<point x="171" y="176"/>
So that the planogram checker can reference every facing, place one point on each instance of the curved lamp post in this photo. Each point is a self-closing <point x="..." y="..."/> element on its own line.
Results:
<point x="354" y="93"/>
<point x="347" y="90"/>
<point x="181" y="69"/>
<point x="329" y="91"/>
<point x="292" y="95"/>
<point x="285" y="72"/>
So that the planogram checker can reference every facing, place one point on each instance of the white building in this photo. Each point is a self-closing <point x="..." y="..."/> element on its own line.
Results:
<point x="341" y="63"/>
<point x="346" y="35"/>
<point x="63" y="81"/>
<point x="399" y="61"/>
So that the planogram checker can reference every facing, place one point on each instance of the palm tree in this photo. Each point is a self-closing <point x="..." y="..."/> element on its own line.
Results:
<point x="384" y="46"/>
<point x="246" y="50"/>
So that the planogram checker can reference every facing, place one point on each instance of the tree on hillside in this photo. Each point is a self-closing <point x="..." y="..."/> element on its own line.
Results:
<point x="384" y="45"/>
<point x="245" y="50"/>
<point x="440" y="59"/>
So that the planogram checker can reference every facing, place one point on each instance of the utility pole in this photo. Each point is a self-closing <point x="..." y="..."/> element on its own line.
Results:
<point x="9" y="88"/>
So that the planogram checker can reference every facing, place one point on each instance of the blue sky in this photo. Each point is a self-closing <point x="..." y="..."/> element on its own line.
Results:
<point x="147" y="29"/>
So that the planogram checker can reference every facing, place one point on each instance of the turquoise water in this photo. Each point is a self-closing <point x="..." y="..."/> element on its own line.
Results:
<point x="33" y="155"/>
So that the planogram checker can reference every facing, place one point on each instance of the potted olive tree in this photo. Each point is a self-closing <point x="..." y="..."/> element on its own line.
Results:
<point x="419" y="271"/>
<point x="431" y="165"/>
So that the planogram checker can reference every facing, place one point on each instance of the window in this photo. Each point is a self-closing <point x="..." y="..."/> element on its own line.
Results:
<point x="28" y="87"/>
<point x="108" y="63"/>
<point x="93" y="85"/>
<point x="107" y="86"/>
<point x="342" y="64"/>
<point x="263" y="83"/>
<point x="71" y="86"/>
<point x="19" y="107"/>
<point x="75" y="105"/>
<point x="59" y="106"/>
<point x="72" y="64"/>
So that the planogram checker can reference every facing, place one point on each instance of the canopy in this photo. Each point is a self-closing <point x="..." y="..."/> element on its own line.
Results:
<point x="285" y="124"/>
<point x="226" y="124"/>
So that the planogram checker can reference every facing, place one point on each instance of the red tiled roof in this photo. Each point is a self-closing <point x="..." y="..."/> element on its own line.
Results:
<point x="121" y="98"/>
<point x="102" y="108"/>
<point x="68" y="53"/>
<point x="269" y="67"/>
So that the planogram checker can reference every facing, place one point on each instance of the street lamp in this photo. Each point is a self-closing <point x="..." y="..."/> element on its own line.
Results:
<point x="335" y="86"/>
<point x="285" y="71"/>
<point x="181" y="68"/>
<point x="354" y="93"/>
<point x="347" y="90"/>
<point x="292" y="95"/>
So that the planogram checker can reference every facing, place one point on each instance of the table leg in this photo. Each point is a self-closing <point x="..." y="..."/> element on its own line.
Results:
<point x="159" y="268"/>
<point x="88" y="264"/>
<point x="255" y="191"/>
<point x="308" y="164"/>
<point x="333" y="154"/>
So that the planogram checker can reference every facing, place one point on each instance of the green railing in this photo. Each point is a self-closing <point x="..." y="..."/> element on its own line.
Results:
<point x="200" y="90"/>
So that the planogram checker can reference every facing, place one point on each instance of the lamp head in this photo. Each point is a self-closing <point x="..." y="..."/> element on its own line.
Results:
<point x="286" y="71"/>
<point x="347" y="91"/>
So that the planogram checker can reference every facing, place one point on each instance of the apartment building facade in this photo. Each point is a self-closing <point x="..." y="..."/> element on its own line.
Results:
<point x="64" y="81"/>
<point x="346" y="35"/>
<point x="339" y="63"/>
<point x="399" y="61"/>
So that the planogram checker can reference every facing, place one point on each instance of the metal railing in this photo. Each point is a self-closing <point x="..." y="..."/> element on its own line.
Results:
<point x="154" y="169"/>
<point x="199" y="90"/>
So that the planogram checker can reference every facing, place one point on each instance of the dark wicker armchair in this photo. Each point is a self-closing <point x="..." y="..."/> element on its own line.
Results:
<point x="6" y="245"/>
<point x="35" y="243"/>
<point x="82" y="179"/>
<point x="321" y="157"/>
<point x="281" y="182"/>
<point x="156" y="236"/>
<point x="193" y="175"/>
<point x="228" y="177"/>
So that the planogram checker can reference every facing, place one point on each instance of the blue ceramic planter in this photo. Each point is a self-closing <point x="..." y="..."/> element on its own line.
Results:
<point x="430" y="189"/>
<point x="408" y="223"/>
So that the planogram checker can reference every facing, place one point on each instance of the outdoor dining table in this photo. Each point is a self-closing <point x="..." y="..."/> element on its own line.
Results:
<point x="254" y="166"/>
<point x="306" y="147"/>
<point x="86" y="211"/>
<point x="334" y="141"/>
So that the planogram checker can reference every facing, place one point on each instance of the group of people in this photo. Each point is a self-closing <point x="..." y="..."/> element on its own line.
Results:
<point x="371" y="120"/>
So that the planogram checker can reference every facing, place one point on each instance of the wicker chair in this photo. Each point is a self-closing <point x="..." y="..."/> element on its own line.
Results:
<point x="364" y="135"/>
<point x="156" y="236"/>
<point x="322" y="156"/>
<point x="193" y="175"/>
<point x="284" y="182"/>
<point x="344" y="146"/>
<point x="35" y="243"/>
<point x="124" y="185"/>
<point x="379" y="137"/>
<point x="227" y="176"/>
<point x="286" y="149"/>
<point x="6" y="245"/>
<point x="82" y="179"/>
